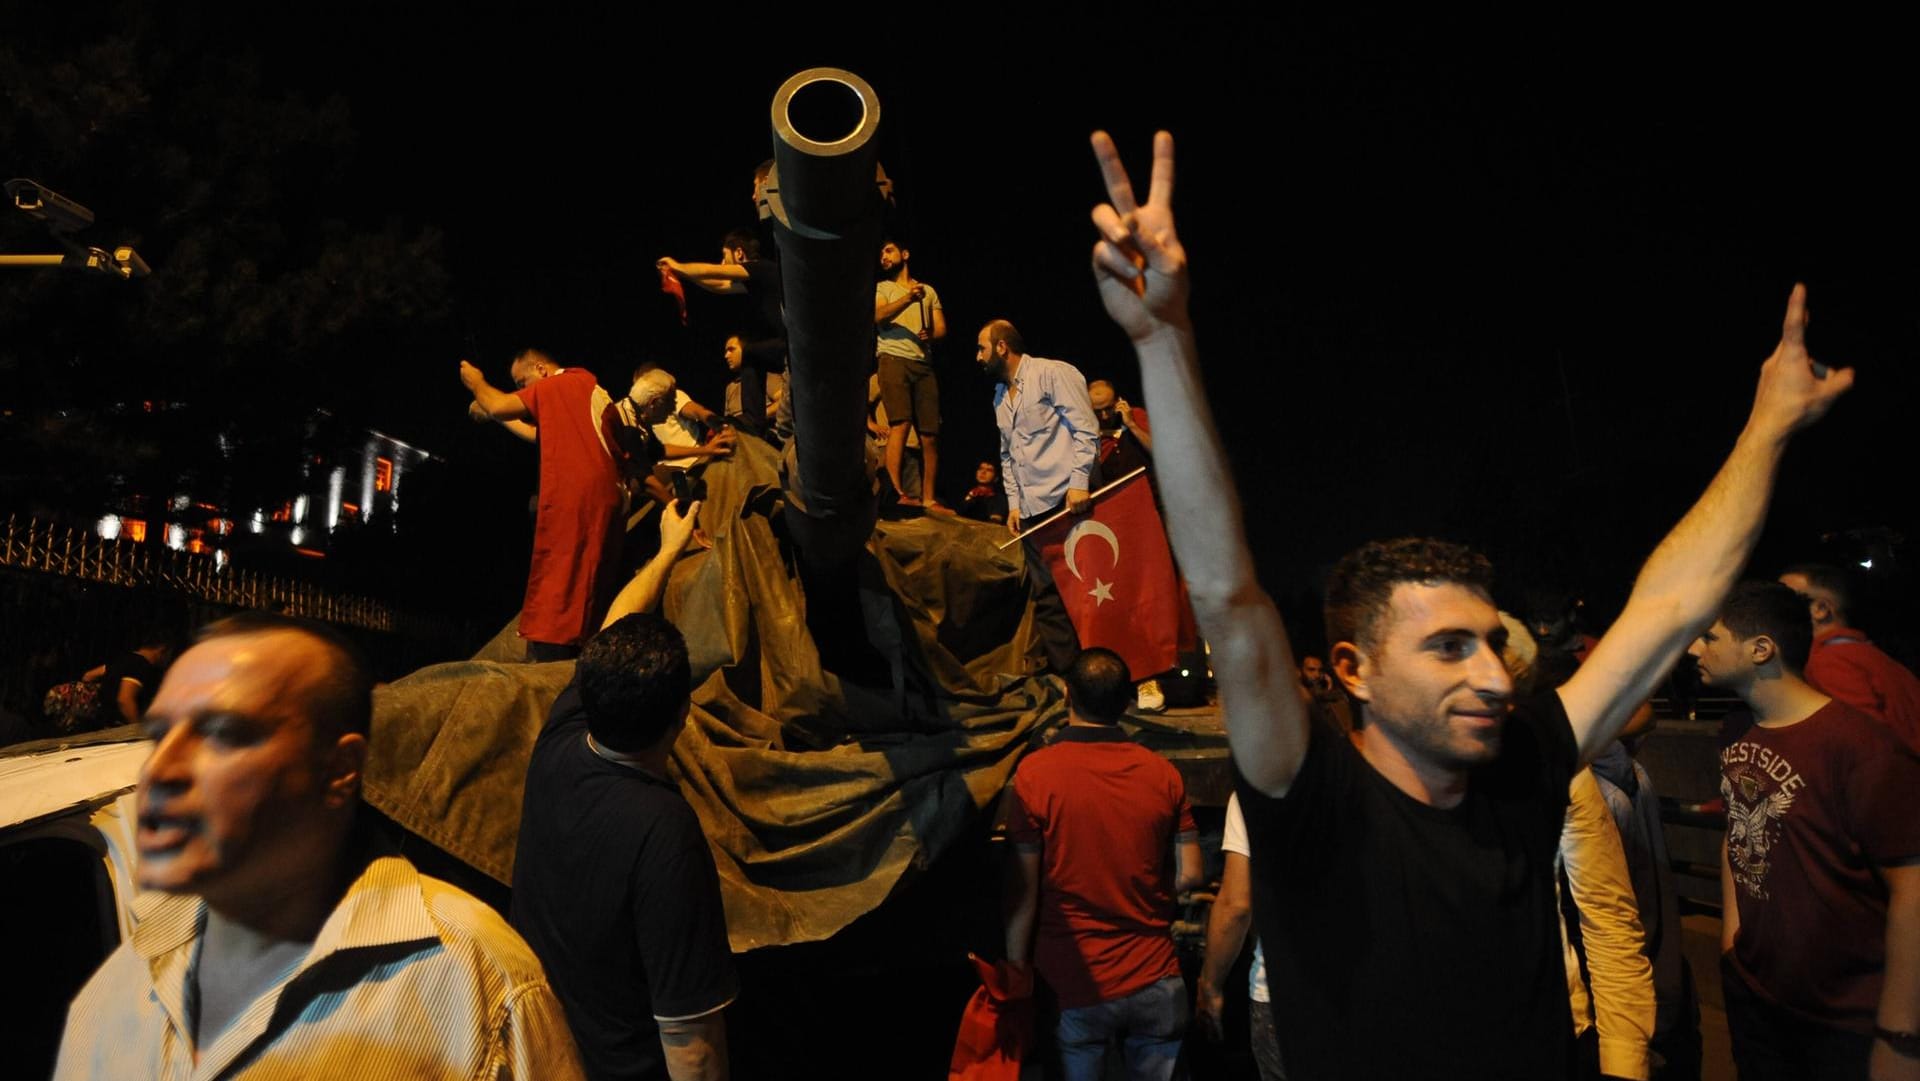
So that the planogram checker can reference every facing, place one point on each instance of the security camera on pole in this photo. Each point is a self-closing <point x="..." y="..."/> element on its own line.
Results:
<point x="62" y="216"/>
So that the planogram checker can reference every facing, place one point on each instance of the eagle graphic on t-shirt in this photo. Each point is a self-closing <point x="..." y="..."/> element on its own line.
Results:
<point x="1753" y="824"/>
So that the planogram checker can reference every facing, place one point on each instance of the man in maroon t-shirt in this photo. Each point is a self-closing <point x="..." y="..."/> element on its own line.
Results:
<point x="1095" y="819"/>
<point x="576" y="533"/>
<point x="1820" y="870"/>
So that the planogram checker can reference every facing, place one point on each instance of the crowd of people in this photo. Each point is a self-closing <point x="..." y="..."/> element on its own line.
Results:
<point x="1439" y="833"/>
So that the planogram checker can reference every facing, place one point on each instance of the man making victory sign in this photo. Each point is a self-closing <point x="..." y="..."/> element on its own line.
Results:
<point x="1404" y="888"/>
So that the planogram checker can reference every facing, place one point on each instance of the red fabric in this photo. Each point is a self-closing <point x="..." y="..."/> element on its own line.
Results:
<point x="670" y="285"/>
<point x="1119" y="587"/>
<point x="1846" y="666"/>
<point x="576" y="538"/>
<point x="996" y="1028"/>
<point x="1812" y="809"/>
<point x="1104" y="813"/>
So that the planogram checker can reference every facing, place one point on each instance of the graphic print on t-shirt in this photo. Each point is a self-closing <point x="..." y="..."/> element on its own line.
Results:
<point x="1759" y="785"/>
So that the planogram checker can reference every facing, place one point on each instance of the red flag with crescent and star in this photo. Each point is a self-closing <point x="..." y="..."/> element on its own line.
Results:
<point x="1115" y="573"/>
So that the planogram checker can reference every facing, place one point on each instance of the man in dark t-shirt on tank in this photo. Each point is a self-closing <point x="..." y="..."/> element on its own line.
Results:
<point x="745" y="270"/>
<point x="1404" y="885"/>
<point x="1820" y="869"/>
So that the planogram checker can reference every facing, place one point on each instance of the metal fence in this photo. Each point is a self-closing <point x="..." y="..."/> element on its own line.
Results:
<point x="70" y="599"/>
<point x="30" y="544"/>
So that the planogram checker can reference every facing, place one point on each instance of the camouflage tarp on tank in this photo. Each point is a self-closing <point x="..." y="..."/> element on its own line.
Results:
<point x="818" y="802"/>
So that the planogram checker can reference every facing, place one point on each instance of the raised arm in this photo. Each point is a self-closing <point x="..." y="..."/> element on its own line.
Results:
<point x="496" y="404"/>
<point x="1680" y="589"/>
<point x="713" y="277"/>
<point x="643" y="593"/>
<point x="521" y="429"/>
<point x="1142" y="272"/>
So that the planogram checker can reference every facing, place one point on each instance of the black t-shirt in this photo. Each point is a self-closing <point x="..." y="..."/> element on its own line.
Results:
<point x="615" y="890"/>
<point x="128" y="665"/>
<point x="765" y="340"/>
<point x="1404" y="940"/>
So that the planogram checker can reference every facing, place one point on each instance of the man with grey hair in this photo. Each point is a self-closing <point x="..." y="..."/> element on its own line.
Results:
<point x="676" y="419"/>
<point x="576" y="531"/>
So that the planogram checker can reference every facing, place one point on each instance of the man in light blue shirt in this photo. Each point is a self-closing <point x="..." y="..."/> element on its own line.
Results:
<point x="1049" y="453"/>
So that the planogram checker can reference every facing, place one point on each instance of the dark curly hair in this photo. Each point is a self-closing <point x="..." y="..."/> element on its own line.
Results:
<point x="634" y="680"/>
<point x="1360" y="589"/>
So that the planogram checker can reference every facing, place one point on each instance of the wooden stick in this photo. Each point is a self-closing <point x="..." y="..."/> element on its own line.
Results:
<point x="1062" y="512"/>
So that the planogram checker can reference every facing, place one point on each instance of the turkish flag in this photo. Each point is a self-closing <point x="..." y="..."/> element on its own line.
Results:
<point x="670" y="285"/>
<point x="1115" y="574"/>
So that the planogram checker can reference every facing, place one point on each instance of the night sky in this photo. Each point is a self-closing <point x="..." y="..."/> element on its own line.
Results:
<point x="1508" y="283"/>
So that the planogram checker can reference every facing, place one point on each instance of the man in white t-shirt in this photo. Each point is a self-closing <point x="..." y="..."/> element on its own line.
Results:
<point x="1227" y="925"/>
<point x="682" y="447"/>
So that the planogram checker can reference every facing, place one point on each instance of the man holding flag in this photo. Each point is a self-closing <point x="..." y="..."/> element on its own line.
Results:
<point x="1049" y="451"/>
<point x="1100" y="572"/>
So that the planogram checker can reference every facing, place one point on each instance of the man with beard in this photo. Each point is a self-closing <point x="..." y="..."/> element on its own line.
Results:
<point x="910" y="320"/>
<point x="282" y="939"/>
<point x="1404" y="888"/>
<point x="1048" y="458"/>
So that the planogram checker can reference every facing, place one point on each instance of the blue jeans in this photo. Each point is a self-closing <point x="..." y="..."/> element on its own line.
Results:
<point x="1151" y="1022"/>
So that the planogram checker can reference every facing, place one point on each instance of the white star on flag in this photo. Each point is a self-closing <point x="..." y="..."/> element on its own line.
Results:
<point x="1101" y="591"/>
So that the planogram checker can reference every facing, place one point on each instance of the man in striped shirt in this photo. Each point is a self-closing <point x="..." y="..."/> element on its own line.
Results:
<point x="278" y="939"/>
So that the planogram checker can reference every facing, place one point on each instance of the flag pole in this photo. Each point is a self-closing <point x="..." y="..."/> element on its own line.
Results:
<point x="1063" y="512"/>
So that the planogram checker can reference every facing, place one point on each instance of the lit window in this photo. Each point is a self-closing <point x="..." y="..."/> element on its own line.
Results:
<point x="134" y="530"/>
<point x="383" y="474"/>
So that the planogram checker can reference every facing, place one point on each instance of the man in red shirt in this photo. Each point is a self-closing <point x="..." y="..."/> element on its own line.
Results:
<point x="1820" y="869"/>
<point x="1844" y="664"/>
<point x="576" y="537"/>
<point x="1095" y="821"/>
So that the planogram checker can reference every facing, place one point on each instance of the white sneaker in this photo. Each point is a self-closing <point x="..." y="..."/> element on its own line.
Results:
<point x="1147" y="697"/>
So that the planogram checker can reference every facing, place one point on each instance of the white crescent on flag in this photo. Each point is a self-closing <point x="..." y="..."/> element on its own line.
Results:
<point x="1097" y="529"/>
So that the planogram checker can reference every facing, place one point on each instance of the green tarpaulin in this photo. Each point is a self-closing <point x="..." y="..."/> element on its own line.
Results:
<point x="816" y="795"/>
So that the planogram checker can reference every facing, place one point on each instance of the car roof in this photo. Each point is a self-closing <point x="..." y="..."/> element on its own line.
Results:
<point x="48" y="778"/>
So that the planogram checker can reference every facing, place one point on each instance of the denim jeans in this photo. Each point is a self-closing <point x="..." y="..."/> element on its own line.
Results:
<point x="1150" y="1023"/>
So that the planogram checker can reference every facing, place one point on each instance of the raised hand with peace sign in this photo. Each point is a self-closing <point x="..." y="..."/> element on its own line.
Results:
<point x="1139" y="263"/>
